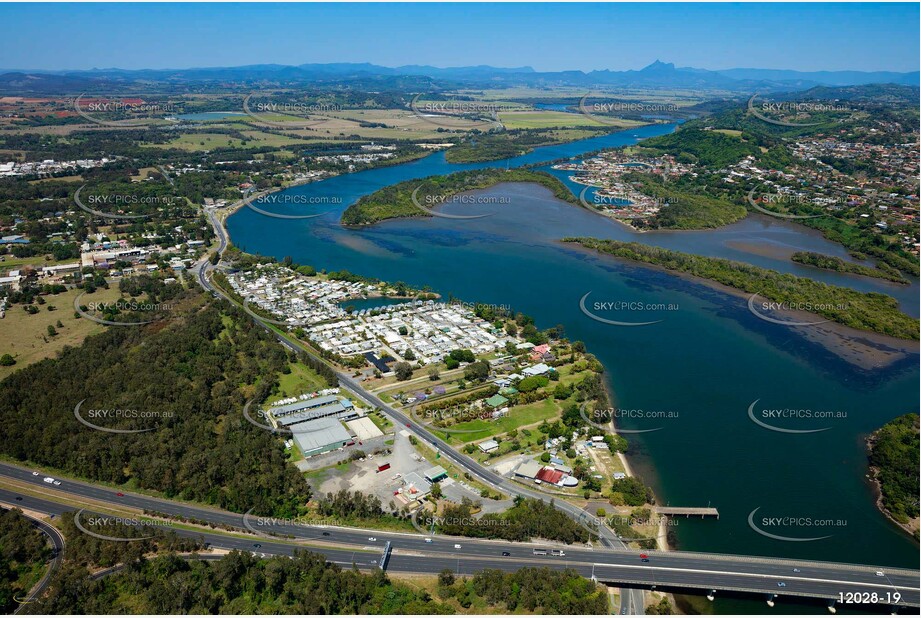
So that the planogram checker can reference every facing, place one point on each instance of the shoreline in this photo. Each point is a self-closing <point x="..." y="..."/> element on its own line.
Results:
<point x="912" y="527"/>
<point x="833" y="336"/>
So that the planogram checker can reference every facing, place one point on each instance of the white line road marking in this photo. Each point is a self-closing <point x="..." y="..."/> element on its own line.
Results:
<point x="756" y="575"/>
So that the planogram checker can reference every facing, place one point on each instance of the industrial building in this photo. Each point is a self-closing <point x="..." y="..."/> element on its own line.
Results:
<point x="321" y="435"/>
<point x="433" y="475"/>
<point x="311" y="409"/>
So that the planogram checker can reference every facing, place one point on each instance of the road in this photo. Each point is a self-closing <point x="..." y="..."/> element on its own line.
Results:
<point x="632" y="600"/>
<point x="705" y="570"/>
<point x="57" y="549"/>
<point x="677" y="570"/>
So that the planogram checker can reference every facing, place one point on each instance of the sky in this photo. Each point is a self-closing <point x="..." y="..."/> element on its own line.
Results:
<point x="547" y="37"/>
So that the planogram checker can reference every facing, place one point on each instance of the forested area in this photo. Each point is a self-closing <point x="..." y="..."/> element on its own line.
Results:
<point x="862" y="310"/>
<point x="237" y="584"/>
<point x="707" y="148"/>
<point x="830" y="262"/>
<point x="532" y="590"/>
<point x="894" y="460"/>
<point x="184" y="381"/>
<point x="528" y="519"/>
<point x="397" y="200"/>
<point x="24" y="551"/>
<point x="683" y="209"/>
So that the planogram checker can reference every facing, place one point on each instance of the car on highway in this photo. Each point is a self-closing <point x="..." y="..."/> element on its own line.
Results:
<point x="35" y="473"/>
<point x="48" y="480"/>
<point x="326" y="534"/>
<point x="428" y="540"/>
<point x="505" y="553"/>
<point x="644" y="558"/>
<point x="19" y="498"/>
<point x="372" y="538"/>
<point x="880" y="574"/>
<point x="257" y="545"/>
<point x="55" y="482"/>
<point x="796" y="570"/>
<point x="781" y="585"/>
<point x="457" y="546"/>
<point x="119" y="494"/>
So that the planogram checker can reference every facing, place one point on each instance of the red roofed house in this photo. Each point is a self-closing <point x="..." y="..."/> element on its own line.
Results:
<point x="549" y="475"/>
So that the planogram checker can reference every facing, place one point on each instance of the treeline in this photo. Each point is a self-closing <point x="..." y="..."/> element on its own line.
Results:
<point x="350" y="505"/>
<point x="185" y="380"/>
<point x="708" y="148"/>
<point x="856" y="238"/>
<point x="830" y="262"/>
<point x="24" y="550"/>
<point x="532" y="590"/>
<point x="862" y="310"/>
<point x="492" y="146"/>
<point x="236" y="584"/>
<point x="529" y="519"/>
<point x="396" y="200"/>
<point x="90" y="551"/>
<point x="894" y="461"/>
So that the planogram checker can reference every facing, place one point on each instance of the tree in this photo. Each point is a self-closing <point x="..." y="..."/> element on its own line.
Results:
<point x="408" y="354"/>
<point x="478" y="371"/>
<point x="436" y="490"/>
<point x="51" y="331"/>
<point x="7" y="360"/>
<point x="403" y="370"/>
<point x="446" y="578"/>
<point x="545" y="457"/>
<point x="434" y="375"/>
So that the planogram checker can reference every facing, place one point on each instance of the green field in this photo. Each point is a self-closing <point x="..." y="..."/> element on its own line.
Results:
<point x="518" y="416"/>
<point x="25" y="336"/>
<point x="548" y="119"/>
<point x="302" y="379"/>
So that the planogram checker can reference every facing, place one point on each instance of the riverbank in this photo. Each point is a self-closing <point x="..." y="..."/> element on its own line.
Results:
<point x="864" y="350"/>
<point x="420" y="198"/>
<point x="893" y="471"/>
<point x="874" y="313"/>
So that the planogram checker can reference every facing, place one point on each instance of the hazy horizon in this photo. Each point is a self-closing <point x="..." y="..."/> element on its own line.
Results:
<point x="547" y="37"/>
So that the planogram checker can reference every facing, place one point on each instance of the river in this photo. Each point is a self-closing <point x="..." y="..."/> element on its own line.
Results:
<point x="693" y="374"/>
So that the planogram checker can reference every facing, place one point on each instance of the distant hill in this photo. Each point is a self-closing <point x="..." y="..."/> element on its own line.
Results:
<point x="656" y="75"/>
<point x="864" y="93"/>
<point x="827" y="78"/>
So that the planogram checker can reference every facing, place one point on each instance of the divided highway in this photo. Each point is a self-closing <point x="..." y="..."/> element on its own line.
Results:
<point x="413" y="554"/>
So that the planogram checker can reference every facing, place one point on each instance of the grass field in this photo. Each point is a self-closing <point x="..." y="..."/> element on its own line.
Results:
<point x="301" y="380"/>
<point x="10" y="262"/>
<point x="519" y="416"/>
<point x="210" y="141"/>
<point x="75" y="178"/>
<point x="729" y="132"/>
<point x="25" y="336"/>
<point x="548" y="119"/>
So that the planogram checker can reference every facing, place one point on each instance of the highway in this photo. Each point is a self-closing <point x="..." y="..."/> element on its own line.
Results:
<point x="703" y="570"/>
<point x="691" y="572"/>
<point x="632" y="600"/>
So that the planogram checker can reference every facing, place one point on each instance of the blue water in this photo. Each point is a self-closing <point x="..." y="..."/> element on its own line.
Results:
<point x="210" y="116"/>
<point x="708" y="359"/>
<point x="554" y="107"/>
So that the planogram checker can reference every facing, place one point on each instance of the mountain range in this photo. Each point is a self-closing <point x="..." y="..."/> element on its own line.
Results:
<point x="366" y="75"/>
